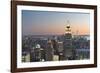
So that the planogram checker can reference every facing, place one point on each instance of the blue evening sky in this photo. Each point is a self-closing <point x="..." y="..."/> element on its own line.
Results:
<point x="50" y="22"/>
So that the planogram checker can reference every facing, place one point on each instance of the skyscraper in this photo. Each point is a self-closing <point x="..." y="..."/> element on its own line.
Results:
<point x="49" y="51"/>
<point x="67" y="43"/>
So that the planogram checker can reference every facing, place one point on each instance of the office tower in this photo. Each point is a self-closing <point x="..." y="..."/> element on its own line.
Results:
<point x="67" y="43"/>
<point x="49" y="51"/>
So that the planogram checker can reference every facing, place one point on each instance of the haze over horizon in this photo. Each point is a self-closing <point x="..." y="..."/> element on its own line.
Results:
<point x="44" y="22"/>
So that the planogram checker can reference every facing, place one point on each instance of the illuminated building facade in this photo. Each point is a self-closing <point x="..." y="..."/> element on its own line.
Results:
<point x="67" y="44"/>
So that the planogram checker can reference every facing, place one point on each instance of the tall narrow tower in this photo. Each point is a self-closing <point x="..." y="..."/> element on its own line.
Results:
<point x="67" y="44"/>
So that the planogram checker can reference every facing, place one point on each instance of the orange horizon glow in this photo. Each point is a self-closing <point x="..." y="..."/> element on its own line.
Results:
<point x="43" y="22"/>
<point x="76" y="29"/>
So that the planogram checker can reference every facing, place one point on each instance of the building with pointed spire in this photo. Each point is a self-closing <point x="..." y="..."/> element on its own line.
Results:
<point x="67" y="43"/>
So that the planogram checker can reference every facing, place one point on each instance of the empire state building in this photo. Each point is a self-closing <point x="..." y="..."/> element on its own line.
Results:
<point x="67" y="43"/>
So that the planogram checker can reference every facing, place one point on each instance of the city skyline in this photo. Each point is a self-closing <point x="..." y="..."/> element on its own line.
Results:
<point x="50" y="22"/>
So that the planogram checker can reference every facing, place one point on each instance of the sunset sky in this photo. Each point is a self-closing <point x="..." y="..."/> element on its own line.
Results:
<point x="44" y="22"/>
